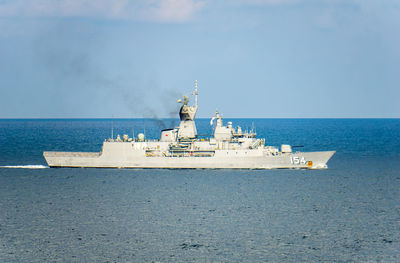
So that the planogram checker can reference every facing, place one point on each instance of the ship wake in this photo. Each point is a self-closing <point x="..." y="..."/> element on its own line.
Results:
<point x="28" y="166"/>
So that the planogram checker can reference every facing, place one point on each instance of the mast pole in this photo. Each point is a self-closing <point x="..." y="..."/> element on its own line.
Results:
<point x="195" y="93"/>
<point x="144" y="128"/>
<point x="112" y="127"/>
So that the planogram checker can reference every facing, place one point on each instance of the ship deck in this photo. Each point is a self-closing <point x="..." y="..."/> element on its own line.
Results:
<point x="71" y="154"/>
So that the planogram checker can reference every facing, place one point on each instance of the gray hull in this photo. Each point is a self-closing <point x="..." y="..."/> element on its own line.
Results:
<point x="120" y="158"/>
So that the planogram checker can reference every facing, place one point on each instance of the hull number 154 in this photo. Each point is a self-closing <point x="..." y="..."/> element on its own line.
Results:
<point x="297" y="160"/>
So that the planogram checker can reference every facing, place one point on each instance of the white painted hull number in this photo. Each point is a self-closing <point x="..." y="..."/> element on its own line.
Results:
<point x="297" y="160"/>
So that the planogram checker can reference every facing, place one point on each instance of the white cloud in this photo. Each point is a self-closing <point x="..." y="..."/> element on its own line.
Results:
<point x="172" y="10"/>
<point x="267" y="2"/>
<point x="145" y="10"/>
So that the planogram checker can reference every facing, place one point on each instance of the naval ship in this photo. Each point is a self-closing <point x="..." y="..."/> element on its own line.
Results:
<point x="181" y="147"/>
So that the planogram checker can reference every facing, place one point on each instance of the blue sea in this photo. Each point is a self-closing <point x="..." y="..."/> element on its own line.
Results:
<point x="349" y="212"/>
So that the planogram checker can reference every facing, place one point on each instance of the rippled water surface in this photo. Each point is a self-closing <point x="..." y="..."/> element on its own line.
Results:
<point x="347" y="213"/>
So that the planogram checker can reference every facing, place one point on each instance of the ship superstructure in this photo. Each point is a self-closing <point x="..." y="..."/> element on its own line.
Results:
<point x="181" y="147"/>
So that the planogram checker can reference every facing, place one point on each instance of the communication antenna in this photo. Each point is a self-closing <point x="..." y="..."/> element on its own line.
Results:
<point x="195" y="92"/>
<point x="112" y="127"/>
<point x="144" y="128"/>
<point x="133" y="129"/>
<point x="214" y="118"/>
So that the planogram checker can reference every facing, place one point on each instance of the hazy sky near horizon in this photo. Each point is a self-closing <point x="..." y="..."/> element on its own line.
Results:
<point x="254" y="58"/>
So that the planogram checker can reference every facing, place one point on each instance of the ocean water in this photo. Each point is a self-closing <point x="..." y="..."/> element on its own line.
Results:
<point x="347" y="213"/>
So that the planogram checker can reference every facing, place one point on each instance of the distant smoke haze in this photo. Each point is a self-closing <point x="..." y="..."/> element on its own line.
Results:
<point x="81" y="83"/>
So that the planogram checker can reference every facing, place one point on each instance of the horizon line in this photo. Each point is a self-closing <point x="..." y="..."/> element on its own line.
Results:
<point x="144" y="118"/>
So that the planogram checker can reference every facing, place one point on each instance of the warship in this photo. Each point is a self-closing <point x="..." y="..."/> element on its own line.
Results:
<point x="181" y="147"/>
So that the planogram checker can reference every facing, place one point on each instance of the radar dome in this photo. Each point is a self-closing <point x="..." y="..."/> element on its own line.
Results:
<point x="140" y="137"/>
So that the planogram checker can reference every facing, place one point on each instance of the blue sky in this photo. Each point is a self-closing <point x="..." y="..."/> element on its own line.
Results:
<point x="253" y="59"/>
